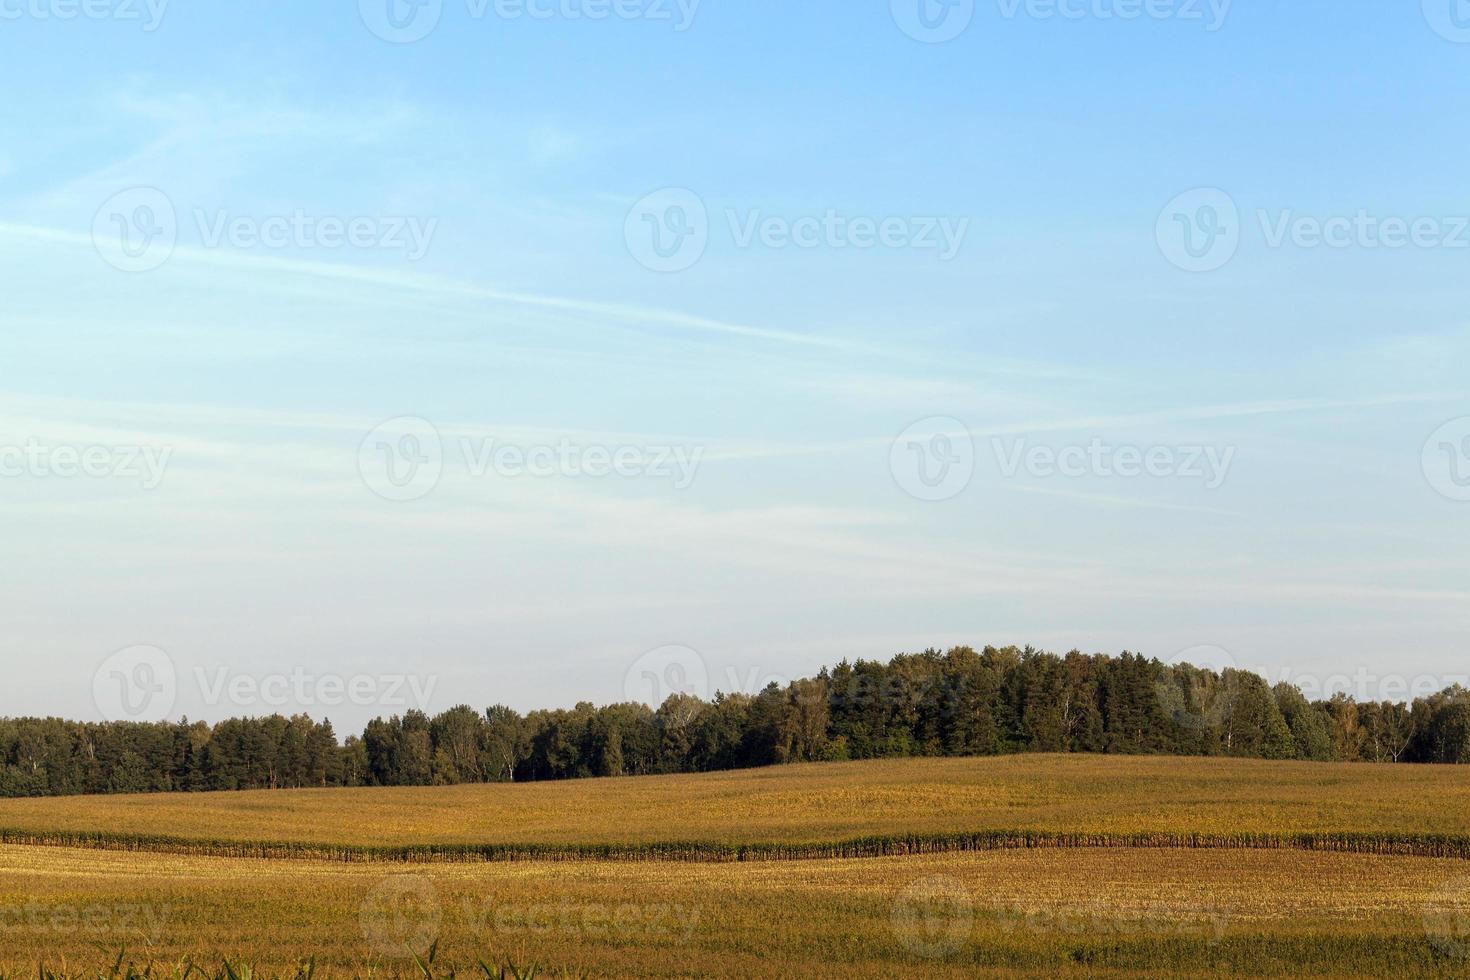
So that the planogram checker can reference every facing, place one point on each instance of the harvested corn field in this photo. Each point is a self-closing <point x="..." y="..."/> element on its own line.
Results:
<point x="1224" y="882"/>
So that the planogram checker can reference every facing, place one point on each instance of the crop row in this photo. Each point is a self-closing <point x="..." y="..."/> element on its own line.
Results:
<point x="1408" y="844"/>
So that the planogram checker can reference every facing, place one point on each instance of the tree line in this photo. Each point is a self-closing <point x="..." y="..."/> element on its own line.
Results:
<point x="961" y="702"/>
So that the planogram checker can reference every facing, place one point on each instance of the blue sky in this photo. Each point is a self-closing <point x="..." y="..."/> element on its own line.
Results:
<point x="1057" y="152"/>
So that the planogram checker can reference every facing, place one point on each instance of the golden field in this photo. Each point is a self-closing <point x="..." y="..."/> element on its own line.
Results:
<point x="819" y="802"/>
<point x="1083" y="912"/>
<point x="1033" y="911"/>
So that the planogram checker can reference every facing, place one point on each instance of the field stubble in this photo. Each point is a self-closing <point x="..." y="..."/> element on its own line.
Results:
<point x="809" y="804"/>
<point x="1091" y="910"/>
<point x="1120" y="911"/>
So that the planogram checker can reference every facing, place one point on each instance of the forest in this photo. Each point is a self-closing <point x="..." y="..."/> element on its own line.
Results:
<point x="961" y="702"/>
